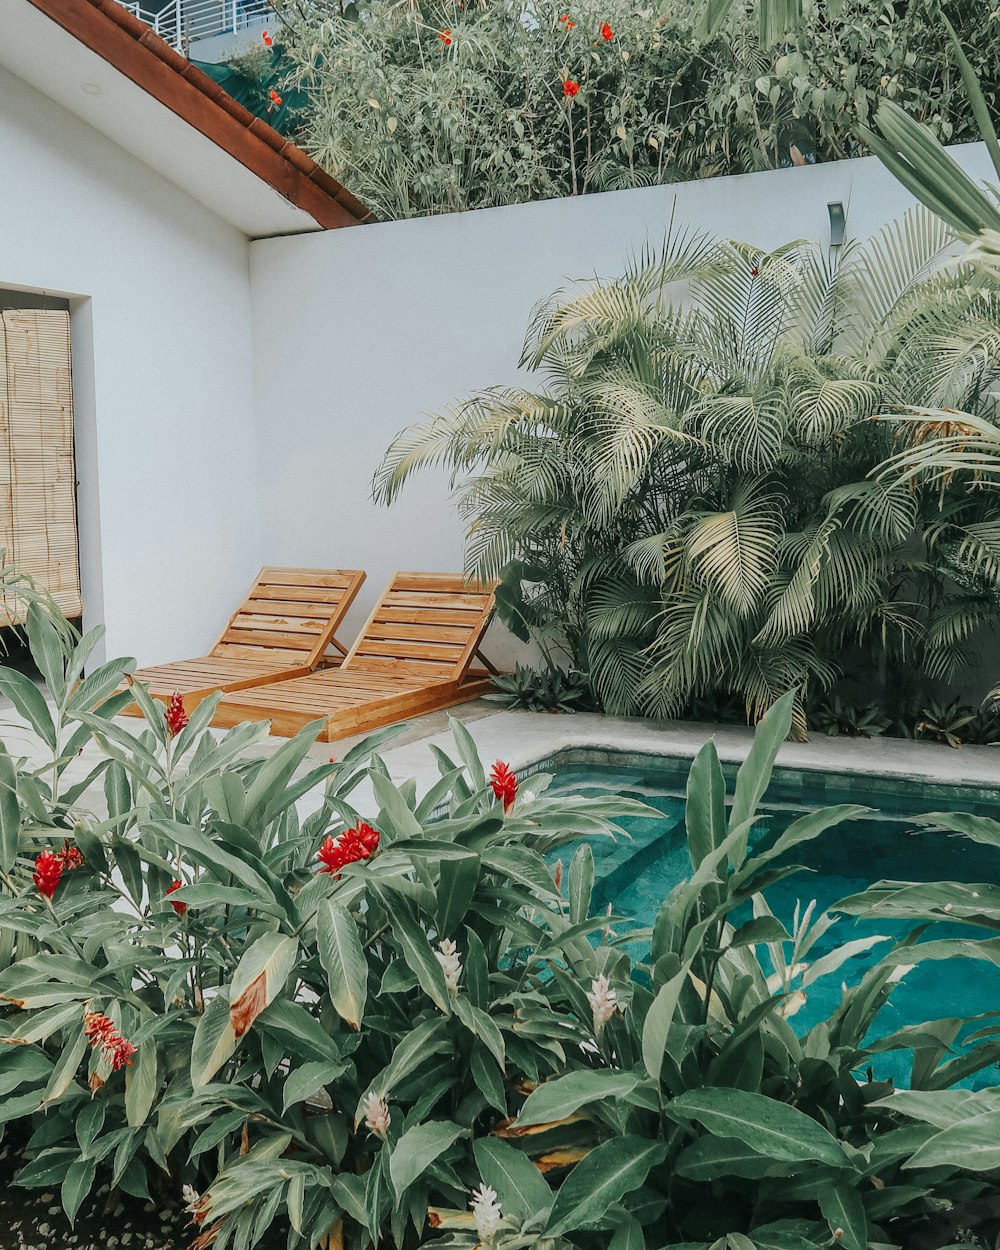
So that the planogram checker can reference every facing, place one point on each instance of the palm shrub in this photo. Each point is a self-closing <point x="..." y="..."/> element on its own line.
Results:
<point x="688" y="501"/>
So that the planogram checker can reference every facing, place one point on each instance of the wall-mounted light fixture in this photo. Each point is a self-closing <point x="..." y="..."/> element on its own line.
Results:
<point x="838" y="223"/>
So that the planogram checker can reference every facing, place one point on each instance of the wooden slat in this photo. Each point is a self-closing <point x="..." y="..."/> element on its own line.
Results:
<point x="295" y="594"/>
<point x="264" y="638"/>
<point x="407" y="650"/>
<point x="259" y="606"/>
<point x="440" y="583"/>
<point x="335" y="579"/>
<point x="424" y="633"/>
<point x="276" y="623"/>
<point x="408" y="599"/>
<point x="426" y="616"/>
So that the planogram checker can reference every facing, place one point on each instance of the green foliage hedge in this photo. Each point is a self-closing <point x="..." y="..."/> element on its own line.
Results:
<point x="437" y="107"/>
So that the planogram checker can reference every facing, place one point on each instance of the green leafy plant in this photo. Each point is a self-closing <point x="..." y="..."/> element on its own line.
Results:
<point x="543" y="689"/>
<point x="431" y="108"/>
<point x="349" y="1029"/>
<point x="688" y="502"/>
<point x="835" y="715"/>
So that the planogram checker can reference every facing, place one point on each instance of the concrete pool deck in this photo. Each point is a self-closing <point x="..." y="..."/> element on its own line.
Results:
<point x="521" y="739"/>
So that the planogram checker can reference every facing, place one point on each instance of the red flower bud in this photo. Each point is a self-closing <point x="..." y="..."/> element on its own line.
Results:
<point x="176" y="716"/>
<point x="48" y="873"/>
<point x="268" y="41"/>
<point x="445" y="37"/>
<point x="275" y="99"/>
<point x="607" y="33"/>
<point x="101" y="1033"/>
<point x="179" y="906"/>
<point x="352" y="845"/>
<point x="504" y="784"/>
<point x="570" y="87"/>
<point x="71" y="856"/>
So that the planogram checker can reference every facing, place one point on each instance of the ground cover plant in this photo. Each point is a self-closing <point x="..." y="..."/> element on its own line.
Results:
<point x="692" y="503"/>
<point x="437" y="107"/>
<point x="412" y="1031"/>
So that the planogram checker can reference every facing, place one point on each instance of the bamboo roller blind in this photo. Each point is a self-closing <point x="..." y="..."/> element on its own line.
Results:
<point x="37" y="465"/>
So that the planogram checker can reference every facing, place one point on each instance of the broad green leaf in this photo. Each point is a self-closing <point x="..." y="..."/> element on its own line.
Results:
<point x="400" y="820"/>
<point x="214" y="1042"/>
<point x="580" y="883"/>
<point x="628" y="1235"/>
<point x="306" y="1080"/>
<point x="773" y="1128"/>
<point x="844" y="1211"/>
<point x="456" y="886"/>
<point x="972" y="1145"/>
<point x="46" y="650"/>
<point x="610" y="1171"/>
<point x="259" y="978"/>
<point x="417" y="1149"/>
<point x="755" y="772"/>
<point x="419" y="955"/>
<point x="30" y="702"/>
<point x="10" y="812"/>
<point x="141" y="1084"/>
<point x="343" y="960"/>
<point x="521" y="1188"/>
<point x="554" y="1100"/>
<point x="77" y="1185"/>
<point x="658" y="1020"/>
<point x="714" y="1158"/>
<point x="705" y="805"/>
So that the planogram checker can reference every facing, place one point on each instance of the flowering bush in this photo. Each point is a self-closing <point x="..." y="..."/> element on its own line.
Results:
<point x="410" y="1030"/>
<point x="430" y="108"/>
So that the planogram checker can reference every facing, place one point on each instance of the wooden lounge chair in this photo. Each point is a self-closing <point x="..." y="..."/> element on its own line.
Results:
<point x="413" y="656"/>
<point x="282" y="629"/>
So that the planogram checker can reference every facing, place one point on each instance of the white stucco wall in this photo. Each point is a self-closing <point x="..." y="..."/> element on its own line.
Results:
<point x="359" y="333"/>
<point x="160" y="303"/>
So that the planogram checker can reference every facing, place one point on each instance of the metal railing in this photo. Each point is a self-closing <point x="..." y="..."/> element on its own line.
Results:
<point x="184" y="22"/>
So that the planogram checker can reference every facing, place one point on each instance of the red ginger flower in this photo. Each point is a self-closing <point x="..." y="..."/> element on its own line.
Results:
<point x="352" y="845"/>
<point x="504" y="784"/>
<point x="179" y="907"/>
<point x="268" y="41"/>
<point x="445" y="37"/>
<point x="175" y="715"/>
<point x="102" y="1034"/>
<point x="71" y="856"/>
<point x="607" y="33"/>
<point x="570" y="87"/>
<point x="47" y="874"/>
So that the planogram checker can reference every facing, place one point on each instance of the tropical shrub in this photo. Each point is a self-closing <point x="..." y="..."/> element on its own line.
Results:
<point x="350" y="1028"/>
<point x="445" y="106"/>
<point x="689" y="503"/>
<point x="188" y="1000"/>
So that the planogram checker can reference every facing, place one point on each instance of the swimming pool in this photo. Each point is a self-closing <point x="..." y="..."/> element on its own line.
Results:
<point x="636" y="874"/>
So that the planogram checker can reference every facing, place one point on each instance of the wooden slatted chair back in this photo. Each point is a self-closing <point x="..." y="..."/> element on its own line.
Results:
<point x="290" y="614"/>
<point x="425" y="625"/>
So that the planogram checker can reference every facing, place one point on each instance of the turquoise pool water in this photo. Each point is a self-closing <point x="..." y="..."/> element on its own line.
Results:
<point x="636" y="874"/>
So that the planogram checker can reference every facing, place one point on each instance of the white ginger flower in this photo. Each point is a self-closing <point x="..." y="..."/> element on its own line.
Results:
<point x="451" y="964"/>
<point x="603" y="1002"/>
<point x="191" y="1199"/>
<point x="487" y="1211"/>
<point x="377" y="1117"/>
